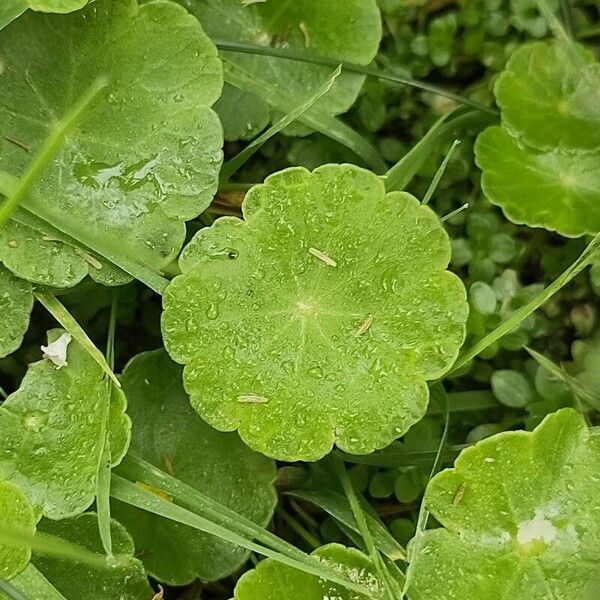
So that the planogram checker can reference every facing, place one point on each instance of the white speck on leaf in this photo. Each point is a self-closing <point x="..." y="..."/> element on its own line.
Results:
<point x="56" y="351"/>
<point x="252" y="399"/>
<point x="364" y="327"/>
<point x="538" y="528"/>
<point x="322" y="256"/>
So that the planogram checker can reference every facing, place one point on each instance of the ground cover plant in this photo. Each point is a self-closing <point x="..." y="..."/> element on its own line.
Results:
<point x="299" y="299"/>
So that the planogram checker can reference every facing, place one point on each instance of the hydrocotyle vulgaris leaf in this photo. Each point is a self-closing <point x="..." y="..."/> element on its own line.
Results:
<point x="318" y="319"/>
<point x="146" y="157"/>
<point x="549" y="94"/>
<point x="271" y="580"/>
<point x="520" y="516"/>
<point x="556" y="190"/>
<point x="51" y="431"/>
<point x="16" y="512"/>
<point x="168" y="433"/>
<point x="123" y="577"/>
<point x="348" y="30"/>
<point x="16" y="302"/>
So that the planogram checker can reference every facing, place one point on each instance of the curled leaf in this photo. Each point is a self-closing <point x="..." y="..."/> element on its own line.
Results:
<point x="257" y="314"/>
<point x="520" y="514"/>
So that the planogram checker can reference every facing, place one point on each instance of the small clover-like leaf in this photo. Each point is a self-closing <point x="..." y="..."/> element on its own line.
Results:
<point x="167" y="433"/>
<point x="147" y="154"/>
<point x="555" y="190"/>
<point x="521" y="518"/>
<point x="347" y="30"/>
<point x="51" y="432"/>
<point x="550" y="96"/>
<point x="271" y="580"/>
<point x="16" y="302"/>
<point x="15" y="513"/>
<point x="320" y="317"/>
<point x="123" y="578"/>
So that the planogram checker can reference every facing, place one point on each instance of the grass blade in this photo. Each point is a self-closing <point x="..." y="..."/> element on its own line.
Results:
<point x="64" y="317"/>
<point x="51" y="146"/>
<point x="128" y="492"/>
<point x="571" y="272"/>
<point x="313" y="117"/>
<point x="439" y="173"/>
<point x="302" y="56"/>
<point x="241" y="158"/>
<point x="11" y="592"/>
<point x="31" y="584"/>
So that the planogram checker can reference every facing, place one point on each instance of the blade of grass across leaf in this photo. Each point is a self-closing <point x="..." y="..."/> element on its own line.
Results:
<point x="49" y="150"/>
<point x="137" y="469"/>
<point x="11" y="592"/>
<point x="314" y="118"/>
<point x="396" y="456"/>
<point x="31" y="584"/>
<point x="360" y="518"/>
<point x="522" y="313"/>
<point x="466" y="402"/>
<point x="104" y="465"/>
<point x="11" y="10"/>
<point x="135" y="495"/>
<point x="439" y="173"/>
<point x="337" y="506"/>
<point x="398" y="177"/>
<point x="453" y="213"/>
<point x="241" y="158"/>
<point x="64" y="317"/>
<point x="300" y="56"/>
<point x="439" y="396"/>
<point x="585" y="393"/>
<point x="300" y="530"/>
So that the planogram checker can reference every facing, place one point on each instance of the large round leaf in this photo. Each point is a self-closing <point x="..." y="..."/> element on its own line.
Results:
<point x="521" y="518"/>
<point x="52" y="431"/>
<point x="272" y="580"/>
<point x="550" y="96"/>
<point x="320" y="317"/>
<point x="167" y="433"/>
<point x="123" y="577"/>
<point x="15" y="512"/>
<point x="555" y="190"/>
<point x="16" y="302"/>
<point x="147" y="154"/>
<point x="56" y="6"/>
<point x="348" y="30"/>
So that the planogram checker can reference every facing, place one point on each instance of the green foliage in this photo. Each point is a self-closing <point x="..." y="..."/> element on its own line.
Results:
<point x="519" y="511"/>
<point x="273" y="581"/>
<point x="16" y="302"/>
<point x="217" y="464"/>
<point x="52" y="431"/>
<point x="141" y="163"/>
<point x="347" y="30"/>
<point x="323" y="328"/>
<point x="15" y="512"/>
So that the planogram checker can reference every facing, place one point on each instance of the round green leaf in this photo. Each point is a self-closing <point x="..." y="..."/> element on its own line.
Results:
<point x="555" y="190"/>
<point x="123" y="578"/>
<point x="52" y="431"/>
<point x="521" y="518"/>
<point x="168" y="434"/>
<point x="550" y="96"/>
<point x="56" y="6"/>
<point x="15" y="512"/>
<point x="348" y="30"/>
<point x="147" y="154"/>
<point x="511" y="388"/>
<point x="271" y="580"/>
<point x="16" y="302"/>
<point x="320" y="317"/>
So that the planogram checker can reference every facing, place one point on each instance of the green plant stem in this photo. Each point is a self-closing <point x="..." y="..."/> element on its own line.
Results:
<point x="49" y="150"/>
<point x="296" y="526"/>
<point x="306" y="57"/>
<point x="522" y="313"/>
<point x="11" y="592"/>
<point x="439" y="173"/>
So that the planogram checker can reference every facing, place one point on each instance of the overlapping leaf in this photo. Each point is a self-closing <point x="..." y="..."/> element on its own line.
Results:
<point x="521" y="517"/>
<point x="15" y="513"/>
<point x="16" y="302"/>
<point x="57" y="6"/>
<point x="52" y="431"/>
<point x="347" y="30"/>
<point x="147" y="155"/>
<point x="308" y="323"/>
<point x="167" y="433"/>
<point x="543" y="166"/>
<point x="273" y="581"/>
<point x="123" y="578"/>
